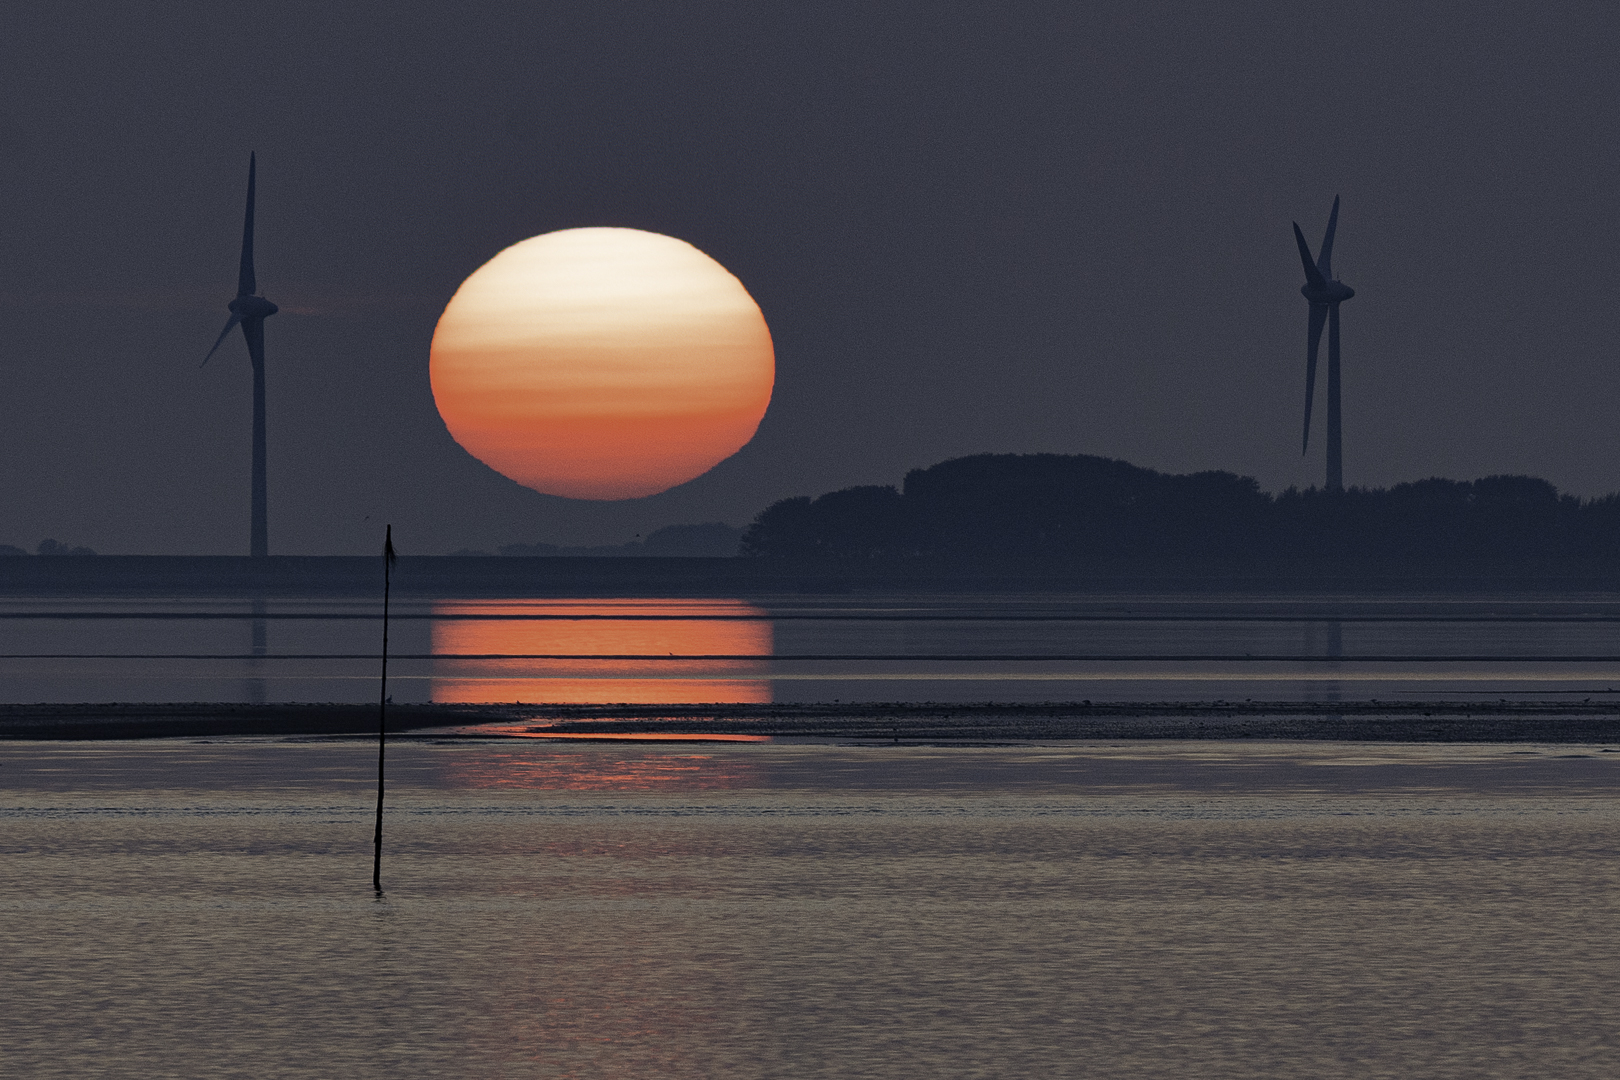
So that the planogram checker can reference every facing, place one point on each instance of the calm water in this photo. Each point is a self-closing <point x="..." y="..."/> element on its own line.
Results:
<point x="203" y="909"/>
<point x="993" y="648"/>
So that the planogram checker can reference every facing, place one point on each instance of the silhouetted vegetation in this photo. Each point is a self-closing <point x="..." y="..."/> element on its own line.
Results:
<point x="46" y="547"/>
<point x="711" y="540"/>
<point x="51" y="547"/>
<point x="1050" y="506"/>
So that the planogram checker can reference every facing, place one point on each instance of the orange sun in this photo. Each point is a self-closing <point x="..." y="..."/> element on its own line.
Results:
<point x="602" y="363"/>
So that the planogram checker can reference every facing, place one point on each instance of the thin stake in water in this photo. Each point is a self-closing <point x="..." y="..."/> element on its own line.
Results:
<point x="382" y="710"/>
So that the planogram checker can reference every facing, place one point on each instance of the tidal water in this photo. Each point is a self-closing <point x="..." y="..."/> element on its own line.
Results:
<point x="1000" y="648"/>
<point x="195" y="908"/>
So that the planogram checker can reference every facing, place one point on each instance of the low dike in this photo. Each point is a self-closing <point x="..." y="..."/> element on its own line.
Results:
<point x="454" y="577"/>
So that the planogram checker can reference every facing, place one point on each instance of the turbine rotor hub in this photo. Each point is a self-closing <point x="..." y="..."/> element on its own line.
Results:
<point x="252" y="307"/>
<point x="1331" y="292"/>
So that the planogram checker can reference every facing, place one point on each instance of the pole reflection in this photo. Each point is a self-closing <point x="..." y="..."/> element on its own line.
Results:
<point x="253" y="688"/>
<point x="605" y="628"/>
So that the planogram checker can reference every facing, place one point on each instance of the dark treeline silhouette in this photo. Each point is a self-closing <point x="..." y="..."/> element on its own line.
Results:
<point x="710" y="540"/>
<point x="46" y="547"/>
<point x="1051" y="506"/>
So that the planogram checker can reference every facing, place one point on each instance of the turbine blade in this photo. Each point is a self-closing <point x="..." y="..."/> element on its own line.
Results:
<point x="245" y="283"/>
<point x="1313" y="345"/>
<point x="1325" y="263"/>
<point x="1312" y="274"/>
<point x="221" y="339"/>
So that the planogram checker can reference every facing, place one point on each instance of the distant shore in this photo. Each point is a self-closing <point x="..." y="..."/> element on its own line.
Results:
<point x="120" y="720"/>
<point x="470" y="577"/>
<point x="1586" y="722"/>
<point x="449" y="577"/>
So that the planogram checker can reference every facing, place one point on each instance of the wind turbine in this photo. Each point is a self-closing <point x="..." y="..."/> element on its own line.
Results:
<point x="1325" y="293"/>
<point x="249" y="310"/>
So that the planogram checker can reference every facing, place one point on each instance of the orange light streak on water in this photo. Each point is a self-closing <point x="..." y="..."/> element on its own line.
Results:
<point x="592" y="681"/>
<point x="629" y="736"/>
<point x="617" y="769"/>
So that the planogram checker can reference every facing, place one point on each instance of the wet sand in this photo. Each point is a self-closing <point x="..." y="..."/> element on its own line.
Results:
<point x="1223" y="910"/>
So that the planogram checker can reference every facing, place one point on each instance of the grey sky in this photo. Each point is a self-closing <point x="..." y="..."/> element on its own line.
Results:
<point x="1060" y="229"/>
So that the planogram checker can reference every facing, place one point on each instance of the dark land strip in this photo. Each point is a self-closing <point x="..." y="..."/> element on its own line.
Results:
<point x="839" y="616"/>
<point x="1090" y="657"/>
<point x="118" y="720"/>
<point x="1350" y="721"/>
<point x="453" y="577"/>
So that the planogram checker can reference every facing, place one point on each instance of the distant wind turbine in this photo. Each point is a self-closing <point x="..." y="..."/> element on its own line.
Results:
<point x="1325" y="293"/>
<point x="249" y="310"/>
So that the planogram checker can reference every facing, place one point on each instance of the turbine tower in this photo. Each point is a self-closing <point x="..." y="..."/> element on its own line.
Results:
<point x="249" y="310"/>
<point x="1325" y="293"/>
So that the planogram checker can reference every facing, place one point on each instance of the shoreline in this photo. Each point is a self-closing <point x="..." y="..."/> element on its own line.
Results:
<point x="462" y="577"/>
<point x="1586" y="722"/>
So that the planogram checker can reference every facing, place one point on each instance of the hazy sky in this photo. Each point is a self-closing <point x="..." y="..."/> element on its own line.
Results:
<point x="1064" y="228"/>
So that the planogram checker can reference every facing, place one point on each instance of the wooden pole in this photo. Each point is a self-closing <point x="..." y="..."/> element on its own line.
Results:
<point x="382" y="711"/>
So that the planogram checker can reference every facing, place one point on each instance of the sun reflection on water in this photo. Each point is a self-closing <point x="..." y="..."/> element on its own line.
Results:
<point x="603" y="770"/>
<point x="605" y="628"/>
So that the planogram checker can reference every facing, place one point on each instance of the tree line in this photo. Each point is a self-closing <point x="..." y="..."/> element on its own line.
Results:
<point x="1070" y="507"/>
<point x="713" y="539"/>
<point x="46" y="547"/>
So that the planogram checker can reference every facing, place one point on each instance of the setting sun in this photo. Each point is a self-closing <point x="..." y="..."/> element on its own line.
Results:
<point x="602" y="363"/>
